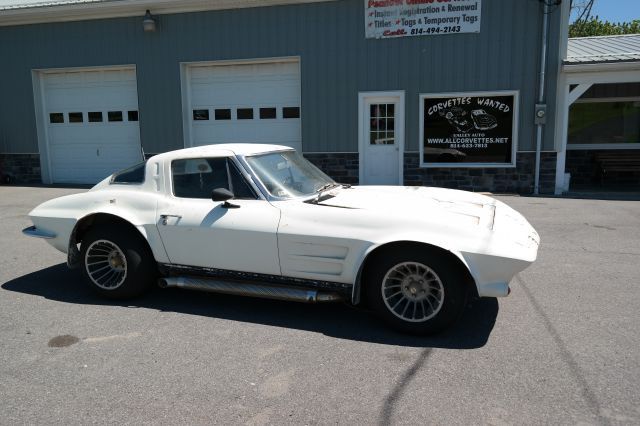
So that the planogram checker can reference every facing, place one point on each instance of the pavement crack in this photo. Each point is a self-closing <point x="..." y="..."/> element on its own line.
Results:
<point x="588" y="395"/>
<point x="398" y="390"/>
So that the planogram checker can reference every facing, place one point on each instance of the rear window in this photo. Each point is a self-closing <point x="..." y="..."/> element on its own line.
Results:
<point x="134" y="174"/>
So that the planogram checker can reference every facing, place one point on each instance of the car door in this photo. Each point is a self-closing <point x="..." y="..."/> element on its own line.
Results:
<point x="197" y="231"/>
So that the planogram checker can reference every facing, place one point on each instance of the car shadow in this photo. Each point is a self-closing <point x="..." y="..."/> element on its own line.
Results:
<point x="337" y="320"/>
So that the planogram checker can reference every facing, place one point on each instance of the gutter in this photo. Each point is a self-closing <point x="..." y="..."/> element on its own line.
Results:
<point x="541" y="92"/>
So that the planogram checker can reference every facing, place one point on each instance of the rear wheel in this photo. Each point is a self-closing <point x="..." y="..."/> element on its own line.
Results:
<point x="116" y="264"/>
<point x="417" y="292"/>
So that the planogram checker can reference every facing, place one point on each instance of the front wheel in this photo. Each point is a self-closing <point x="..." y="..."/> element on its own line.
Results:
<point x="116" y="264"/>
<point x="418" y="292"/>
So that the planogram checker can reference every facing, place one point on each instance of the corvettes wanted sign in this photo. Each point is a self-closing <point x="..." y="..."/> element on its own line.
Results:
<point x="400" y="18"/>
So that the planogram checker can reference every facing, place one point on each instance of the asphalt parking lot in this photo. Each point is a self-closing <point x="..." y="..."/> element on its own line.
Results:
<point x="563" y="348"/>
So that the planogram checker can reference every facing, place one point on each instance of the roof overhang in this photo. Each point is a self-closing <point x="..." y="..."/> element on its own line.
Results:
<point x="126" y="8"/>
<point x="601" y="67"/>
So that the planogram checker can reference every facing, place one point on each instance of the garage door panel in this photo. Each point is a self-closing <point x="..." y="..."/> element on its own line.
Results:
<point x="87" y="152"/>
<point x="252" y="86"/>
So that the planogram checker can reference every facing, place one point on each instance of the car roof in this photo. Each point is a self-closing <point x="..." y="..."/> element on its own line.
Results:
<point x="221" y="150"/>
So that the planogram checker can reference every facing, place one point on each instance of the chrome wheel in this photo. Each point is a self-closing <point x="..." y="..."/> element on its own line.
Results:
<point x="106" y="264"/>
<point x="412" y="291"/>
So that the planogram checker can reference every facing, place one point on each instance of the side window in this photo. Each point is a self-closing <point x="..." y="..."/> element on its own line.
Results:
<point x="240" y="188"/>
<point x="133" y="174"/>
<point x="197" y="177"/>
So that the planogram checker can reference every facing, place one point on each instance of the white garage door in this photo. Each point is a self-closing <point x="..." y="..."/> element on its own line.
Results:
<point x="92" y="123"/>
<point x="245" y="103"/>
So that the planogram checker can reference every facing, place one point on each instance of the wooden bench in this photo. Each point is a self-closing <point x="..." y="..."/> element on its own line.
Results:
<point x="623" y="161"/>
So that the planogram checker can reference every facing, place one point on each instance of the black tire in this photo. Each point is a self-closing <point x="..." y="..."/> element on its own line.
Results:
<point x="444" y="283"/>
<point x="108" y="244"/>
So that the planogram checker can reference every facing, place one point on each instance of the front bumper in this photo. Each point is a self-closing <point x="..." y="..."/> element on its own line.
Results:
<point x="32" y="231"/>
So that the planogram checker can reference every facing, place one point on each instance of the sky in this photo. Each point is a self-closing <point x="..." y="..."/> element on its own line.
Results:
<point x="615" y="10"/>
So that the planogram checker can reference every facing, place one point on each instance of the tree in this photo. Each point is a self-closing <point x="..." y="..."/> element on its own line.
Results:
<point x="597" y="27"/>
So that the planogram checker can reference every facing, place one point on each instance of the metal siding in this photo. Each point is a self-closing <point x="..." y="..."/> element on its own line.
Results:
<point x="336" y="63"/>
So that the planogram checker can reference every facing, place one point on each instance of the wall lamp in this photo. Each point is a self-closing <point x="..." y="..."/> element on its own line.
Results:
<point x="148" y="23"/>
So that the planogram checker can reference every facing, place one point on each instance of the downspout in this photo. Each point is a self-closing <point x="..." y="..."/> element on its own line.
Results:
<point x="541" y="92"/>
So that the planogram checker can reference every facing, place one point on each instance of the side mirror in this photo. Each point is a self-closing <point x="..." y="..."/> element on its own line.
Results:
<point x="223" y="194"/>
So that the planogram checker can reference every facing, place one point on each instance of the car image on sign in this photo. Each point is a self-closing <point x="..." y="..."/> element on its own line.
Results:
<point x="262" y="221"/>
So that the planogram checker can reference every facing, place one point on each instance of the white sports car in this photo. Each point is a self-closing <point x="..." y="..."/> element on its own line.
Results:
<point x="262" y="221"/>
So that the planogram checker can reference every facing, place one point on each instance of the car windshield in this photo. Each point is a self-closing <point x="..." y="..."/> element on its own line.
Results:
<point x="287" y="174"/>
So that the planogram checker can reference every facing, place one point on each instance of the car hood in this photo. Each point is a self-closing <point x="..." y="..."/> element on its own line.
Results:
<point x="427" y="203"/>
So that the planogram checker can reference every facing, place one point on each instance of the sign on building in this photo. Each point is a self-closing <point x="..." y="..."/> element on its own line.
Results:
<point x="401" y="18"/>
<point x="469" y="129"/>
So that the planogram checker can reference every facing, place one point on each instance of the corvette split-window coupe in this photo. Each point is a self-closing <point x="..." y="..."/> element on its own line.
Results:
<point x="262" y="221"/>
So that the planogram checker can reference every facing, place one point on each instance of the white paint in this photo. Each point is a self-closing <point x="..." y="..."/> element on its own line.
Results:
<point x="381" y="164"/>
<point x="273" y="83"/>
<point x="298" y="239"/>
<point x="86" y="152"/>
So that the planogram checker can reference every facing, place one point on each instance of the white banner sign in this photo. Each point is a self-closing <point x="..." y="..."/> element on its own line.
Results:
<point x="401" y="18"/>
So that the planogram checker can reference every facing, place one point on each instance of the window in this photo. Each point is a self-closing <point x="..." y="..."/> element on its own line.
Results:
<point x="223" y="114"/>
<point x="132" y="115"/>
<point x="382" y="123"/>
<point x="200" y="114"/>
<point x="244" y="114"/>
<point x="114" y="115"/>
<point x="134" y="174"/>
<point x="604" y="122"/>
<point x="267" y="113"/>
<point x="75" y="117"/>
<point x="56" y="117"/>
<point x="291" y="112"/>
<point x="197" y="177"/>
<point x="95" y="116"/>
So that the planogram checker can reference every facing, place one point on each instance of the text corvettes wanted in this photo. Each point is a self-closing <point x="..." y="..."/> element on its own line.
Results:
<point x="260" y="220"/>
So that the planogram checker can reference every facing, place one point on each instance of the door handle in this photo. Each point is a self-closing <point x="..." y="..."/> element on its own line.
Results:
<point x="164" y="217"/>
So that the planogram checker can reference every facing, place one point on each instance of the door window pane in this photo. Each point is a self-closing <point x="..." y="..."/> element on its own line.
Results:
<point x="197" y="177"/>
<point x="382" y="123"/>
<point x="75" y="117"/>
<point x="95" y="116"/>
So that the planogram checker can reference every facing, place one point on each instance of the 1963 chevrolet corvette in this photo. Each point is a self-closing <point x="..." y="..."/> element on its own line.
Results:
<point x="262" y="221"/>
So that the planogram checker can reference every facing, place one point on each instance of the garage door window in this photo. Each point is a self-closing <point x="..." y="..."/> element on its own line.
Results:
<point x="56" y="117"/>
<point x="267" y="113"/>
<point x="132" y="115"/>
<point x="114" y="115"/>
<point x="244" y="114"/>
<point x="291" y="112"/>
<point x="75" y="117"/>
<point x="223" y="114"/>
<point x="200" y="114"/>
<point x="95" y="116"/>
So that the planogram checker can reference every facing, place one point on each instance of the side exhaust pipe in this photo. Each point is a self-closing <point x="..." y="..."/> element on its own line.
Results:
<point x="249" y="289"/>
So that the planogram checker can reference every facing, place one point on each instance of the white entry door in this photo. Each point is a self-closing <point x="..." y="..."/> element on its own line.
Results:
<point x="381" y="138"/>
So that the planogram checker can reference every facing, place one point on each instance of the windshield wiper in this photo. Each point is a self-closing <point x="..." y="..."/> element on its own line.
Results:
<point x="320" y="190"/>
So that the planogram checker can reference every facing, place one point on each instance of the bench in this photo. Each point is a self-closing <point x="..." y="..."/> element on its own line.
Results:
<point x="623" y="161"/>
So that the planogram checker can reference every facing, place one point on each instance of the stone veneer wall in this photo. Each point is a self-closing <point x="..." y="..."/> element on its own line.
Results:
<point x="343" y="167"/>
<point x="22" y="168"/>
<point x="584" y="170"/>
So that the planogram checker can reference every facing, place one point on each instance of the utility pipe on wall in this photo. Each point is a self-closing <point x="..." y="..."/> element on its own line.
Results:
<point x="541" y="91"/>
